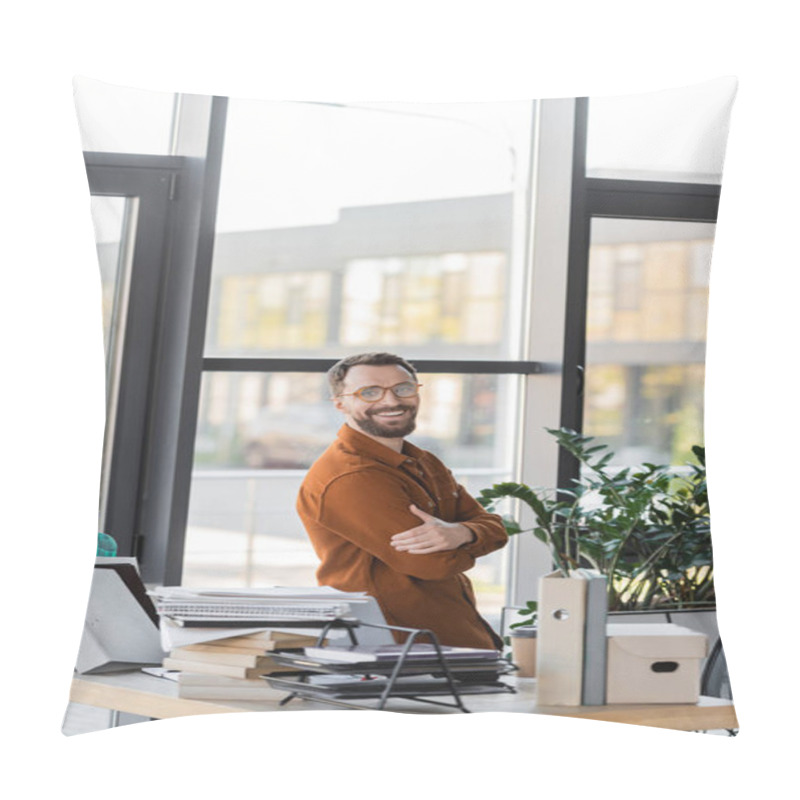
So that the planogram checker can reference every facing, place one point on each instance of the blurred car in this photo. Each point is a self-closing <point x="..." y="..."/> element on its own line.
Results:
<point x="292" y="438"/>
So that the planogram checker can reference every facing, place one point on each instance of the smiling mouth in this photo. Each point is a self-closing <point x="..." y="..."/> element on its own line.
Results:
<point x="389" y="422"/>
<point x="394" y="413"/>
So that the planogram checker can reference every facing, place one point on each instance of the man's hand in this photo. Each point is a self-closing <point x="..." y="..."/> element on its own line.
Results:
<point x="433" y="536"/>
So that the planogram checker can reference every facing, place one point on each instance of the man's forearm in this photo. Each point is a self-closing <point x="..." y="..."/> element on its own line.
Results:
<point x="432" y="536"/>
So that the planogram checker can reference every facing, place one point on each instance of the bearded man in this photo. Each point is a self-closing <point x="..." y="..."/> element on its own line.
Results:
<point x="388" y="518"/>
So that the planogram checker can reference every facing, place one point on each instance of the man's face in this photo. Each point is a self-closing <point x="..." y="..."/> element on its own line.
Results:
<point x="390" y="417"/>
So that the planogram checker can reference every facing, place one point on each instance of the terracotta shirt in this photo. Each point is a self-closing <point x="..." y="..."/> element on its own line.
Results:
<point x="356" y="497"/>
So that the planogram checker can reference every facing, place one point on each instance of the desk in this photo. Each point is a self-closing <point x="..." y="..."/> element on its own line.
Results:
<point x="148" y="696"/>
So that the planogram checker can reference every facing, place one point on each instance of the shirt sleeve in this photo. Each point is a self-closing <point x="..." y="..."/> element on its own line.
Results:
<point x="490" y="533"/>
<point x="368" y="507"/>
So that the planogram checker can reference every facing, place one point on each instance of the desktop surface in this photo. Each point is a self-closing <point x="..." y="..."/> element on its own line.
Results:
<point x="138" y="693"/>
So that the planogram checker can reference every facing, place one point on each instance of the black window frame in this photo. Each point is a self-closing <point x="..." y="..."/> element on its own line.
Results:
<point x="611" y="198"/>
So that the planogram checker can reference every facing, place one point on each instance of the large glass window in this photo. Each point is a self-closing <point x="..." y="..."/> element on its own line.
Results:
<point x="114" y="222"/>
<point x="646" y="333"/>
<point x="418" y="228"/>
<point x="341" y="230"/>
<point x="112" y="228"/>
<point x="448" y="298"/>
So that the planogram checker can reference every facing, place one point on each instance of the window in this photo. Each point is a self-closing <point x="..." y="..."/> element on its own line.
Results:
<point x="440" y="299"/>
<point x="320" y="230"/>
<point x="344" y="229"/>
<point x="638" y="287"/>
<point x="645" y="337"/>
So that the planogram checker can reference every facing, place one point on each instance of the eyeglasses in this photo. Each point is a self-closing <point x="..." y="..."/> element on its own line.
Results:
<point x="372" y="394"/>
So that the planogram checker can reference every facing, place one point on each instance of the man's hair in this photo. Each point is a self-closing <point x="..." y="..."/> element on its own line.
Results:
<point x="337" y="373"/>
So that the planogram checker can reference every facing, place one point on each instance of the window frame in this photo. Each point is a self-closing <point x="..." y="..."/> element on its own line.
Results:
<point x="149" y="471"/>
<point x="148" y="181"/>
<point x="619" y="199"/>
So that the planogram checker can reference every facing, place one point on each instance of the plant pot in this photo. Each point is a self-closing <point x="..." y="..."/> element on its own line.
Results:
<point x="523" y="651"/>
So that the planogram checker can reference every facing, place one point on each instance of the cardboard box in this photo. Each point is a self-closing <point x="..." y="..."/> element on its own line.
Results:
<point x="653" y="663"/>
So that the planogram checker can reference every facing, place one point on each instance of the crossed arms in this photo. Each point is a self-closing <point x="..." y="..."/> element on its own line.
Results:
<point x="375" y="511"/>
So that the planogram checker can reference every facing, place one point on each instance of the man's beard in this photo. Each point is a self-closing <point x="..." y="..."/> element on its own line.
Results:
<point x="369" y="424"/>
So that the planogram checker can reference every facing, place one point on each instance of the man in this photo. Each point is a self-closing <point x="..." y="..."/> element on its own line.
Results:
<point x="388" y="518"/>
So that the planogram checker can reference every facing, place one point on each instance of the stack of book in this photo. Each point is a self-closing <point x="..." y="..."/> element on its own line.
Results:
<point x="231" y="667"/>
<point x="222" y="643"/>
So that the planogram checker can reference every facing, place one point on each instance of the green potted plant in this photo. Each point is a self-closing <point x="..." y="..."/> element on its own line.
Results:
<point x="646" y="528"/>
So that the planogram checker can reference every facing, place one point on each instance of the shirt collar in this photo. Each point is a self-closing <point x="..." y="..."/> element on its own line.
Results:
<point x="364" y="444"/>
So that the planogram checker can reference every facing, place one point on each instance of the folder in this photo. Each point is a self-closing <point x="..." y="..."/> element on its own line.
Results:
<point x="560" y="648"/>
<point x="594" y="638"/>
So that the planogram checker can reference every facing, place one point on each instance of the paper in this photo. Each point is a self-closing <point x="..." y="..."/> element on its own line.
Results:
<point x="162" y="672"/>
<point x="174" y="635"/>
<point x="268" y="593"/>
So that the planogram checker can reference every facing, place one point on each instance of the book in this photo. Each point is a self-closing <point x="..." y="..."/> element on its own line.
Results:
<point x="240" y="646"/>
<point x="263" y="641"/>
<point x="174" y="635"/>
<point x="343" y="686"/>
<point x="312" y="621"/>
<point x="219" y="687"/>
<point x="261" y="692"/>
<point x="392" y="652"/>
<point x="200" y="679"/>
<point x="593" y="692"/>
<point x="230" y="670"/>
<point x="464" y="668"/>
<point x="221" y="655"/>
<point x="263" y="649"/>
